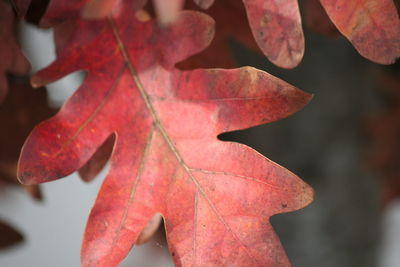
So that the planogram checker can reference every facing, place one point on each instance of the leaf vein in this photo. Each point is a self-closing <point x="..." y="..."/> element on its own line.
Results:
<point x="134" y="187"/>
<point x="239" y="176"/>
<point x="157" y="124"/>
<point x="92" y="115"/>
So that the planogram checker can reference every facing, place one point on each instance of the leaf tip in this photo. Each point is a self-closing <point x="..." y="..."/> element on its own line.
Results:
<point x="288" y="62"/>
<point x="24" y="177"/>
<point x="392" y="60"/>
<point x="308" y="97"/>
<point x="301" y="99"/>
<point x="307" y="196"/>
<point x="24" y="174"/>
<point x="37" y="82"/>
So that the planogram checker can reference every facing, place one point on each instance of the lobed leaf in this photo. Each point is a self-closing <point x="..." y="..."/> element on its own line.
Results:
<point x="215" y="197"/>
<point x="372" y="26"/>
<point x="276" y="27"/>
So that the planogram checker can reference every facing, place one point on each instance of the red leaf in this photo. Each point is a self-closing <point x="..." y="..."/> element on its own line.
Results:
<point x="372" y="26"/>
<point x="276" y="27"/>
<point x="216" y="197"/>
<point x="59" y="11"/>
<point x="12" y="59"/>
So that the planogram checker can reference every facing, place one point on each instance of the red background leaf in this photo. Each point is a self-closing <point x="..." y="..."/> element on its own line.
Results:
<point x="373" y="27"/>
<point x="276" y="26"/>
<point x="9" y="236"/>
<point x="12" y="59"/>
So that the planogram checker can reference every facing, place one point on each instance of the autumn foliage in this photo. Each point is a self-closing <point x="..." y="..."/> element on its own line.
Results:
<point x="158" y="124"/>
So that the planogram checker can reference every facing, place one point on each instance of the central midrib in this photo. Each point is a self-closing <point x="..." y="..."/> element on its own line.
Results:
<point x="157" y="124"/>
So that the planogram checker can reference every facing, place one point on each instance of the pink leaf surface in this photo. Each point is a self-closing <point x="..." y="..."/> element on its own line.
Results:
<point x="372" y="26"/>
<point x="215" y="197"/>
<point x="276" y="27"/>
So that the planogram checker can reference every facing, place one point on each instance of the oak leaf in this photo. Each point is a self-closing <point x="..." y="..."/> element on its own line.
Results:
<point x="276" y="27"/>
<point x="215" y="197"/>
<point x="373" y="27"/>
